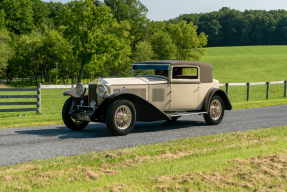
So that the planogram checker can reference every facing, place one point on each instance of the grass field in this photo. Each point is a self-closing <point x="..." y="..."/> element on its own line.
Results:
<point x="248" y="64"/>
<point x="242" y="161"/>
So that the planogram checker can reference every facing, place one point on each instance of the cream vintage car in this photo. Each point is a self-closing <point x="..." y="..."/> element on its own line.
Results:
<point x="158" y="90"/>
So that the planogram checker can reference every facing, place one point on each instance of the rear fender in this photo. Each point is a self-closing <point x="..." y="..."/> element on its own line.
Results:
<point x="145" y="111"/>
<point x="219" y="92"/>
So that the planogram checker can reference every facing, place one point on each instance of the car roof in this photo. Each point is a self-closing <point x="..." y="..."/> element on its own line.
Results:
<point x="173" y="62"/>
<point x="206" y="69"/>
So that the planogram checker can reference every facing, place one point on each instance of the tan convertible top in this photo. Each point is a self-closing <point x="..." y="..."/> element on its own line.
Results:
<point x="205" y="68"/>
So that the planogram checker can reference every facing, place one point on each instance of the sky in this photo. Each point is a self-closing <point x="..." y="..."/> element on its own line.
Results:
<point x="159" y="10"/>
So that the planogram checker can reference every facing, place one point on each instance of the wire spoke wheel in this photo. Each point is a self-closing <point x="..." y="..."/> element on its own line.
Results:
<point x="215" y="109"/>
<point x="123" y="117"/>
<point x="69" y="121"/>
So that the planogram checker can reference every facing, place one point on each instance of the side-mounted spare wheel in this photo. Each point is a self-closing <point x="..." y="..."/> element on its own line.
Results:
<point x="216" y="111"/>
<point x="121" y="117"/>
<point x="68" y="120"/>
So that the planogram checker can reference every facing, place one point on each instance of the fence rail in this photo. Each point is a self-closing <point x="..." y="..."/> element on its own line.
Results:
<point x="256" y="83"/>
<point x="59" y="86"/>
<point x="37" y="103"/>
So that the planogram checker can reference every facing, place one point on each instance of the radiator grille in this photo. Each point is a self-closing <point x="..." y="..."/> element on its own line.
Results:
<point x="157" y="94"/>
<point x="92" y="93"/>
<point x="139" y="92"/>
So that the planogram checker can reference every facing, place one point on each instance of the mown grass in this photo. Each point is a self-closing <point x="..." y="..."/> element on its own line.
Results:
<point x="248" y="63"/>
<point x="241" y="161"/>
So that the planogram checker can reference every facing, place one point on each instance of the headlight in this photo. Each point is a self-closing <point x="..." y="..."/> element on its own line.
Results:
<point x="101" y="91"/>
<point x="80" y="89"/>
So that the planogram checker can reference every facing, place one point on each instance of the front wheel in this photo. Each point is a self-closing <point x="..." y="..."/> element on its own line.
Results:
<point x="68" y="120"/>
<point x="121" y="117"/>
<point x="216" y="111"/>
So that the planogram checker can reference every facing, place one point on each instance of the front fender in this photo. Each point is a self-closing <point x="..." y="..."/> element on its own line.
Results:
<point x="145" y="111"/>
<point x="216" y="91"/>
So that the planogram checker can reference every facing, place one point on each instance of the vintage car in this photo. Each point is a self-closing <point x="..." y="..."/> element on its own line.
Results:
<point x="158" y="90"/>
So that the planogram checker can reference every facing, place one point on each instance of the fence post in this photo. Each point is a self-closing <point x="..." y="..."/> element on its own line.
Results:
<point x="268" y="88"/>
<point x="285" y="92"/>
<point x="39" y="98"/>
<point x="227" y="88"/>
<point x="248" y="91"/>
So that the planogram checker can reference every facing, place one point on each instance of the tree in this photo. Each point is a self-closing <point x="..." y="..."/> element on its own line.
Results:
<point x="162" y="46"/>
<point x="5" y="51"/>
<point x="19" y="16"/>
<point x="90" y="29"/>
<point x="134" y="12"/>
<point x="143" y="52"/>
<point x="29" y="55"/>
<point x="188" y="43"/>
<point x="41" y="11"/>
<point x="57" y="54"/>
<point x="2" y="19"/>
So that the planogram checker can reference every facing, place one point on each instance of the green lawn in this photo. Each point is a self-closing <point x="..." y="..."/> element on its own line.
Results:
<point x="241" y="161"/>
<point x="248" y="63"/>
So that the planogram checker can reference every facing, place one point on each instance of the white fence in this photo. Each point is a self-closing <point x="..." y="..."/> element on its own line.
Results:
<point x="255" y="83"/>
<point x="227" y="85"/>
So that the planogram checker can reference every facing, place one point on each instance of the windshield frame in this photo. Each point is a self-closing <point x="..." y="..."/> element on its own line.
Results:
<point x="150" y="67"/>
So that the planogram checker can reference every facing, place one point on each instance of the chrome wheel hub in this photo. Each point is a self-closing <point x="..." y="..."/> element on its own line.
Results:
<point x="215" y="109"/>
<point x="123" y="117"/>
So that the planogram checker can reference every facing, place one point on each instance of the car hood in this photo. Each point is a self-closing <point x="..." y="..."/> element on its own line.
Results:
<point x="133" y="81"/>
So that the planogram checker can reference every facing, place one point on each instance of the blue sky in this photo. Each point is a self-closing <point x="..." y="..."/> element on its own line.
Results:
<point x="160" y="10"/>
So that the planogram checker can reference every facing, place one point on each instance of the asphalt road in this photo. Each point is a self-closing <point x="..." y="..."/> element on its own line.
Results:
<point x="44" y="142"/>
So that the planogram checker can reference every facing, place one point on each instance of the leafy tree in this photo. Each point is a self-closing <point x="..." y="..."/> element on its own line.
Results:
<point x="134" y="12"/>
<point x="89" y="28"/>
<point x="28" y="53"/>
<point x="41" y="11"/>
<point x="57" y="54"/>
<point x="162" y="46"/>
<point x="143" y="52"/>
<point x="55" y="10"/>
<point x="19" y="15"/>
<point x="188" y="43"/>
<point x="5" y="51"/>
<point x="2" y="19"/>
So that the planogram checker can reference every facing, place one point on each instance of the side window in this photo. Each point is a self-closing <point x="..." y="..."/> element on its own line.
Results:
<point x="185" y="73"/>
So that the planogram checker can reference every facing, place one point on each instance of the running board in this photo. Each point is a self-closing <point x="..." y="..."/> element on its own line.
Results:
<point x="178" y="114"/>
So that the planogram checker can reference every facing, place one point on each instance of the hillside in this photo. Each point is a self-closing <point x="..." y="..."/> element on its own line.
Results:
<point x="248" y="63"/>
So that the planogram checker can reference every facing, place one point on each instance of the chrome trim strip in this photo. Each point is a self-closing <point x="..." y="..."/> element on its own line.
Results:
<point x="185" y="114"/>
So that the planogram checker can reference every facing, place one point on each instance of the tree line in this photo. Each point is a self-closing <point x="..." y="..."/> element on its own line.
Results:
<point x="230" y="27"/>
<point x="46" y="42"/>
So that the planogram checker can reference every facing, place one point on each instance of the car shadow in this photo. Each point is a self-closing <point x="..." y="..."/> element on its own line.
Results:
<point x="99" y="130"/>
<point x="156" y="126"/>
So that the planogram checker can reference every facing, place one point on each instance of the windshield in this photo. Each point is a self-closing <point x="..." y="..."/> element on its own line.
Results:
<point x="141" y="70"/>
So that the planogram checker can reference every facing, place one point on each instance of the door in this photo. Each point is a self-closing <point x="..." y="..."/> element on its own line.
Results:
<point x="185" y="87"/>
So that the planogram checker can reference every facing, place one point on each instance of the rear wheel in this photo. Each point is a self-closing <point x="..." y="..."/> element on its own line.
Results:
<point x="216" y="111"/>
<point x="69" y="121"/>
<point x="121" y="117"/>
